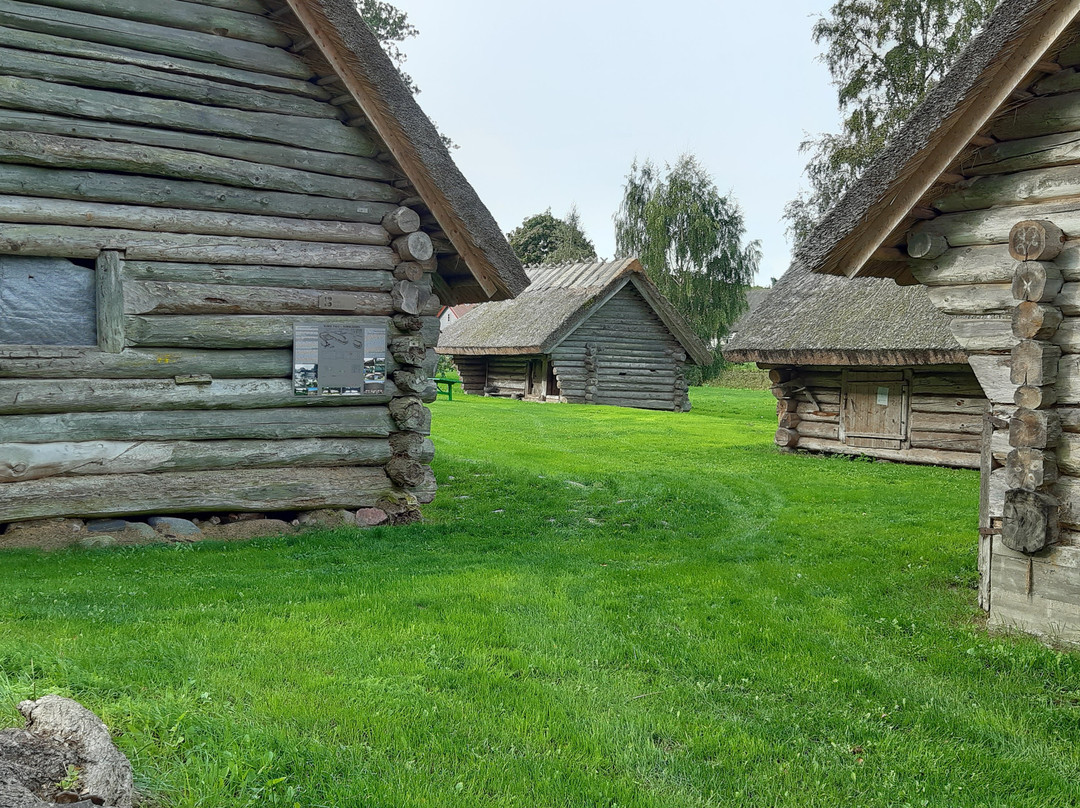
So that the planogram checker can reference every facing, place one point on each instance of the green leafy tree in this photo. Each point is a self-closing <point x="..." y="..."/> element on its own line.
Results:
<point x="544" y="239"/>
<point x="689" y="239"/>
<point x="884" y="56"/>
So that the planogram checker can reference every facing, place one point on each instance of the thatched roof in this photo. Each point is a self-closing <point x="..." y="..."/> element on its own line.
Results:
<point x="557" y="301"/>
<point x="810" y="319"/>
<point x="877" y="210"/>
<point x="375" y="84"/>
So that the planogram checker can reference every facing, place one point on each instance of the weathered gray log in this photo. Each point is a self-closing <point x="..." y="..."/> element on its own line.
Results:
<point x="945" y="441"/>
<point x="815" y="429"/>
<point x="1035" y="321"/>
<point x="411" y="298"/>
<point x="30" y="396"/>
<point x="956" y="422"/>
<point x="154" y="39"/>
<point x="926" y="246"/>
<point x="960" y="265"/>
<point x="263" y="424"/>
<point x="409" y="271"/>
<point x="401" y="221"/>
<point x="1030" y="520"/>
<point x="411" y="382"/>
<point x="413" y="445"/>
<point x="410" y="415"/>
<point x="789" y="420"/>
<point x="1068" y="448"/>
<point x="345" y="280"/>
<point x="217" y="21"/>
<point x="61" y="152"/>
<point x="33" y="461"/>
<point x="87" y="242"/>
<point x="227" y="331"/>
<point x="1036" y="282"/>
<point x="1034" y="363"/>
<point x="48" y="43"/>
<point x="28" y="210"/>
<point x="972" y="299"/>
<point x="408" y="322"/>
<point x="786" y="438"/>
<point x="144" y="81"/>
<point x="36" y="362"/>
<point x="1031" y="469"/>
<point x="109" y="283"/>
<point x="1035" y="398"/>
<point x="184" y="492"/>
<point x="973" y="405"/>
<point x="922" y="456"/>
<point x="130" y="189"/>
<point x="408" y="350"/>
<point x="1022" y="155"/>
<point x="405" y="471"/>
<point x="160" y="297"/>
<point x="273" y="154"/>
<point x="82" y="102"/>
<point x="982" y="333"/>
<point x="1034" y="429"/>
<point x="414" y="246"/>
<point x="1068" y="380"/>
<point x="1024" y="188"/>
<point x="993" y="226"/>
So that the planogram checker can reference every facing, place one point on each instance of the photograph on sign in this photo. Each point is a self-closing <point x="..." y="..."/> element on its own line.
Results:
<point x="332" y="359"/>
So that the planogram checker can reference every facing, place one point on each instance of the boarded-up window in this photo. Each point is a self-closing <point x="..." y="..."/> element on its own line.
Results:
<point x="46" y="301"/>
<point x="874" y="411"/>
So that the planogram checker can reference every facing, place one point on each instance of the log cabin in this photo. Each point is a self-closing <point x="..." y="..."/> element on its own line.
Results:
<point x="226" y="229"/>
<point x="863" y="368"/>
<point x="977" y="199"/>
<point x="587" y="333"/>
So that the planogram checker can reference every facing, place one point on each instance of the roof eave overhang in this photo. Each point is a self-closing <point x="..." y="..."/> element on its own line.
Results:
<point x="854" y="254"/>
<point x="324" y="34"/>
<point x="848" y="358"/>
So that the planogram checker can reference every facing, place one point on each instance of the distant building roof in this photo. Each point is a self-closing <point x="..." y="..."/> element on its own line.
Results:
<point x="558" y="299"/>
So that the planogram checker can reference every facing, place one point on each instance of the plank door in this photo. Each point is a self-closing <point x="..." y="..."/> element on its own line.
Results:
<point x="874" y="414"/>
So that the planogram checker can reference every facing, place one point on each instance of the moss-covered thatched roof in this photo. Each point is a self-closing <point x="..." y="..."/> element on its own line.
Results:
<point x="810" y="319"/>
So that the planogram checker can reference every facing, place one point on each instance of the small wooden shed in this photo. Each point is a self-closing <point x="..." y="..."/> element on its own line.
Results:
<point x="589" y="333"/>
<point x="977" y="199"/>
<point x="225" y="231"/>
<point x="864" y="368"/>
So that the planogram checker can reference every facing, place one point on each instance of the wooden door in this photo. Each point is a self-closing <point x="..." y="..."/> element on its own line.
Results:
<point x="875" y="410"/>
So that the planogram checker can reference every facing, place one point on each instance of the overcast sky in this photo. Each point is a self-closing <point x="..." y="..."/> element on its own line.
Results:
<point x="551" y="102"/>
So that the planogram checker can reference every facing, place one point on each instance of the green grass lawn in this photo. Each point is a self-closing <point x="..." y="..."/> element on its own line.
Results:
<point x="605" y="607"/>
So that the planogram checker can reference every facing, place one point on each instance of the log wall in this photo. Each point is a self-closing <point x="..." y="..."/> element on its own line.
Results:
<point x="1016" y="314"/>
<point x="943" y="413"/>
<point x="225" y="191"/>
<point x="623" y="355"/>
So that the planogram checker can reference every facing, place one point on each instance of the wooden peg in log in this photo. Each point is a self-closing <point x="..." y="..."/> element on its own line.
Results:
<point x="1031" y="469"/>
<point x="1030" y="522"/>
<point x="401" y="221"/>
<point x="414" y="247"/>
<point x="409" y="297"/>
<point x="1035" y="321"/>
<point x="410" y="414"/>
<point x="1034" y="240"/>
<point x="1034" y="363"/>
<point x="409" y="271"/>
<point x="1035" y="398"/>
<point x="786" y="438"/>
<point x="926" y="246"/>
<point x="1034" y="429"/>
<point x="1036" y="281"/>
<point x="408" y="351"/>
